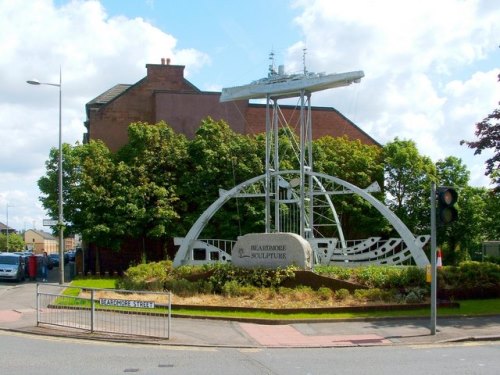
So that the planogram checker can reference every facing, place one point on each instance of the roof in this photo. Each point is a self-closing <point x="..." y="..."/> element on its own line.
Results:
<point x="326" y="109"/>
<point x="44" y="235"/>
<point x="110" y="94"/>
<point x="5" y="228"/>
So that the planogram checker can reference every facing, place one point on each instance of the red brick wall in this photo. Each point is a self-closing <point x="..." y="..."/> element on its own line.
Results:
<point x="110" y="123"/>
<point x="165" y="95"/>
<point x="325" y="121"/>
<point x="184" y="111"/>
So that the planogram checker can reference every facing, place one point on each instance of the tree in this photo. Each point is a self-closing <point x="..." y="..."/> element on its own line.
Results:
<point x="452" y="172"/>
<point x="361" y="165"/>
<point x="49" y="185"/>
<point x="492" y="215"/>
<point x="464" y="237"/>
<point x="90" y="181"/>
<point x="219" y="158"/>
<point x="156" y="158"/>
<point x="16" y="242"/>
<point x="488" y="132"/>
<point x="408" y="176"/>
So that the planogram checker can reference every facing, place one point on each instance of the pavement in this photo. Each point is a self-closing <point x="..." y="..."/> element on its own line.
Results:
<point x="18" y="314"/>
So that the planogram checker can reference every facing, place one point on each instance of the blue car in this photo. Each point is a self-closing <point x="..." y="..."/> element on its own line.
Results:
<point x="54" y="258"/>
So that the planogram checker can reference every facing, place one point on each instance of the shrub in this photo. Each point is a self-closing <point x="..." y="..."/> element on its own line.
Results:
<point x="182" y="287"/>
<point x="151" y="276"/>
<point x="231" y="289"/>
<point x="412" y="277"/>
<point x="259" y="277"/>
<point x="416" y="295"/>
<point x="492" y="259"/>
<point x="283" y="291"/>
<point x="342" y="294"/>
<point x="303" y="293"/>
<point x="204" y="287"/>
<point x="324" y="294"/>
<point x="373" y="295"/>
<point x="470" y="280"/>
<point x="249" y="291"/>
<point x="337" y="272"/>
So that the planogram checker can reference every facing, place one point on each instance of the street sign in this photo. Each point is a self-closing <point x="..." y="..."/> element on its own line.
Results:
<point x="126" y="303"/>
<point x="49" y="223"/>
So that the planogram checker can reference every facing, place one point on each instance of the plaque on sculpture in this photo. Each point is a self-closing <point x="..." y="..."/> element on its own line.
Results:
<point x="272" y="250"/>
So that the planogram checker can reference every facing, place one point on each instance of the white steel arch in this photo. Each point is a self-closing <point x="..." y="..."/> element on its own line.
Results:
<point x="185" y="250"/>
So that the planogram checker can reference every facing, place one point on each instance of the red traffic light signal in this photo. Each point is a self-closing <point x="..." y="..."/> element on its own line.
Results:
<point x="446" y="197"/>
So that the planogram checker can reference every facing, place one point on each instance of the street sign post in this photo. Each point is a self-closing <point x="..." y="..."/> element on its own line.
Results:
<point x="49" y="223"/>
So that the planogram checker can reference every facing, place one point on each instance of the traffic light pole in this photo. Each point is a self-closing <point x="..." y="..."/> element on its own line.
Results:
<point x="433" y="260"/>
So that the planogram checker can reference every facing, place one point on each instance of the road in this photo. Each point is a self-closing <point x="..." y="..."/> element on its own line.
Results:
<point x="30" y="354"/>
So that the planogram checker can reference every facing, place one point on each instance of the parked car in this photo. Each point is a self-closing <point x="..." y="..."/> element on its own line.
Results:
<point x="71" y="255"/>
<point x="12" y="267"/>
<point x="54" y="258"/>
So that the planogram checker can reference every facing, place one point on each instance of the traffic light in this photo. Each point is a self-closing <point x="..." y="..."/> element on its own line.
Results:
<point x="446" y="197"/>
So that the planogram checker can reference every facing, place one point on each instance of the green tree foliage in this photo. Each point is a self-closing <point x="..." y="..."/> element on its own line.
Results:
<point x="16" y="242"/>
<point x="463" y="238"/>
<point x="488" y="133"/>
<point x="153" y="161"/>
<point x="159" y="183"/>
<point x="452" y="172"/>
<point x="89" y="192"/>
<point x="408" y="175"/>
<point x="361" y="165"/>
<point x="492" y="215"/>
<point x="219" y="158"/>
<point x="49" y="185"/>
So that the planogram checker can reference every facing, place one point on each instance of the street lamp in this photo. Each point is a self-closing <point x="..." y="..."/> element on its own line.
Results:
<point x="60" y="222"/>
<point x="7" y="234"/>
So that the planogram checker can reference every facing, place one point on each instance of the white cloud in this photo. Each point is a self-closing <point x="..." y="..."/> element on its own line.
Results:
<point x="430" y="68"/>
<point x="95" y="52"/>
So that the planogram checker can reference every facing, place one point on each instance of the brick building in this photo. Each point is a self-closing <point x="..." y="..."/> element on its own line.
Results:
<point x="164" y="94"/>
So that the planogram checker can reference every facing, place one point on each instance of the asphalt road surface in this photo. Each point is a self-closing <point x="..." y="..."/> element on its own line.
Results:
<point x="30" y="354"/>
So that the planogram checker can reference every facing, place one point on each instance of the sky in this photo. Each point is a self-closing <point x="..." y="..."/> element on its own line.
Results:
<point x="430" y="68"/>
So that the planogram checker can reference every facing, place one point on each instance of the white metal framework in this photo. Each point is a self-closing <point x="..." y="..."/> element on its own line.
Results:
<point x="368" y="251"/>
<point x="300" y="201"/>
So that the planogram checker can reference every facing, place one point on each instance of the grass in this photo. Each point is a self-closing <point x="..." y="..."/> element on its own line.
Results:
<point x="80" y="284"/>
<point x="467" y="308"/>
<point x="95" y="283"/>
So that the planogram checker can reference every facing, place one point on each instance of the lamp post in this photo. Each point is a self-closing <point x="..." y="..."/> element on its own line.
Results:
<point x="7" y="233"/>
<point x="60" y="223"/>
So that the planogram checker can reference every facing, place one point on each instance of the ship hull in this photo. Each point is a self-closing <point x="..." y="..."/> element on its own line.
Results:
<point x="289" y="87"/>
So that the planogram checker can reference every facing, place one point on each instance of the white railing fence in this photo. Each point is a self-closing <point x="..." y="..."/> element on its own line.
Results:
<point x="124" y="312"/>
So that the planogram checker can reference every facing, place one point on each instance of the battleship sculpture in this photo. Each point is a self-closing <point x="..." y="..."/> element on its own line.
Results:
<point x="298" y="201"/>
<point x="279" y="85"/>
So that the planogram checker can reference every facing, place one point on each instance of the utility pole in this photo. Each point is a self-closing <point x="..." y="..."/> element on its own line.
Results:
<point x="433" y="260"/>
